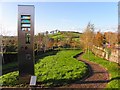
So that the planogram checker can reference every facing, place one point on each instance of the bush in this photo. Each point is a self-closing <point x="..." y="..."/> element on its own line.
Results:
<point x="10" y="79"/>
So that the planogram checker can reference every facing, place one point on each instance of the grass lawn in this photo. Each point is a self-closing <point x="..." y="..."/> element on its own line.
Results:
<point x="53" y="70"/>
<point x="112" y="68"/>
<point x="14" y="65"/>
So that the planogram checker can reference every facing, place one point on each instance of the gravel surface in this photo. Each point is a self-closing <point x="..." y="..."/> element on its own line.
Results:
<point x="97" y="78"/>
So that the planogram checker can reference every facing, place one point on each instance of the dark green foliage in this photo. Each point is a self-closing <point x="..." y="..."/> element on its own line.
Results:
<point x="10" y="57"/>
<point x="11" y="48"/>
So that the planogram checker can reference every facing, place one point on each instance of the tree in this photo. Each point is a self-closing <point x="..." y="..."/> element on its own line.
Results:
<point x="50" y="43"/>
<point x="46" y="39"/>
<point x="98" y="40"/>
<point x="111" y="38"/>
<point x="87" y="37"/>
<point x="38" y="40"/>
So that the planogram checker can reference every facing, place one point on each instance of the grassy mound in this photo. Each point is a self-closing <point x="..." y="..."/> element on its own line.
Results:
<point x="112" y="68"/>
<point x="59" y="69"/>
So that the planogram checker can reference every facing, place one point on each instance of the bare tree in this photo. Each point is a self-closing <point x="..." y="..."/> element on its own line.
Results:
<point x="87" y="37"/>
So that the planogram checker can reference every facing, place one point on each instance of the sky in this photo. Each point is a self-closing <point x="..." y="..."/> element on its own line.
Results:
<point x="64" y="16"/>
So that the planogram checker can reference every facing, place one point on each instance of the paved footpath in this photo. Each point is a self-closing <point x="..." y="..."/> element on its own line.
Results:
<point x="97" y="78"/>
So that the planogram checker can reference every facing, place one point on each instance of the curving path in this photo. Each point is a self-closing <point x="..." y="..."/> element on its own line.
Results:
<point x="97" y="78"/>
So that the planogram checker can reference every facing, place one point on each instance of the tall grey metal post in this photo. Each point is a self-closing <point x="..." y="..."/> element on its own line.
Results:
<point x="118" y="31"/>
<point x="25" y="42"/>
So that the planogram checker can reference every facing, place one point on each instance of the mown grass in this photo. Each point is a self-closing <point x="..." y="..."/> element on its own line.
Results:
<point x="14" y="64"/>
<point x="64" y="36"/>
<point x="63" y="68"/>
<point x="112" y="68"/>
<point x="55" y="70"/>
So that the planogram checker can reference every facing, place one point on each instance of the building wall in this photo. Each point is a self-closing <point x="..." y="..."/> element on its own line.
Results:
<point x="112" y="56"/>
